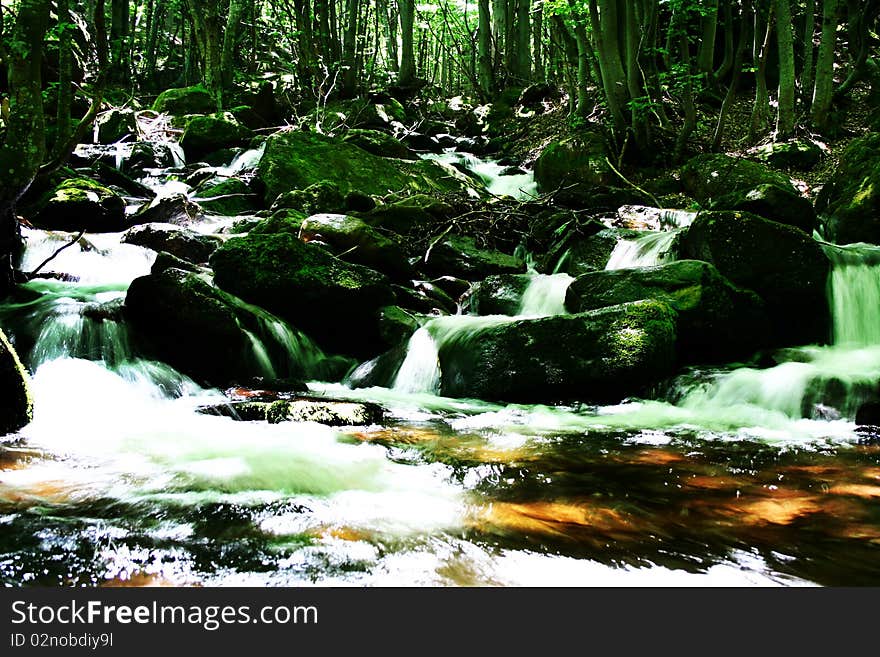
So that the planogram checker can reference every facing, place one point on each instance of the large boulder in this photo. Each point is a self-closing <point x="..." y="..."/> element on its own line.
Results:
<point x="180" y="242"/>
<point x="459" y="256"/>
<point x="784" y="265"/>
<point x="81" y="204"/>
<point x="230" y="198"/>
<point x="771" y="202"/>
<point x="379" y="143"/>
<point x="182" y="319"/>
<point x="849" y="203"/>
<point x="206" y="134"/>
<point x="712" y="175"/>
<point x="579" y="161"/>
<point x="599" y="356"/>
<point x="319" y="198"/>
<point x="412" y="212"/>
<point x="114" y="125"/>
<point x="296" y="160"/>
<point x="500" y="294"/>
<point x="577" y="254"/>
<point x="334" y="301"/>
<point x="717" y="321"/>
<point x="355" y="241"/>
<point x="16" y="404"/>
<point x="185" y="100"/>
<point x="797" y="154"/>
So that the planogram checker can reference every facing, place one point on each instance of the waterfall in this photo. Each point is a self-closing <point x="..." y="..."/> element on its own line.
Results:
<point x="519" y="186"/>
<point x="854" y="294"/>
<point x="646" y="250"/>
<point x="544" y="296"/>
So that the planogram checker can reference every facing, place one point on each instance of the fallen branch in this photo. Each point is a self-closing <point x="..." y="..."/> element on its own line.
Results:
<point x="633" y="185"/>
<point x="31" y="275"/>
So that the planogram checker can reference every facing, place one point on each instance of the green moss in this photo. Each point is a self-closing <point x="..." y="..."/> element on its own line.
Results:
<point x="185" y="100"/>
<point x="16" y="400"/>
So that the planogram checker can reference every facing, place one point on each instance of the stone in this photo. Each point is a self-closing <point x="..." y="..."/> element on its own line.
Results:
<point x="185" y="100"/>
<point x="81" y="204"/>
<point x="16" y="402"/>
<point x="180" y="242"/>
<point x="206" y="134"/>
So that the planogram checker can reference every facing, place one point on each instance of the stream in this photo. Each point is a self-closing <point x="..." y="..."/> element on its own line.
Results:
<point x="729" y="476"/>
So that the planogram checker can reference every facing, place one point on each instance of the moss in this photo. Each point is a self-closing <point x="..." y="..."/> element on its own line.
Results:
<point x="205" y="134"/>
<point x="379" y="143"/>
<point x="712" y="175"/>
<point x="16" y="401"/>
<point x="576" y="160"/>
<point x="241" y="200"/>
<point x="81" y="203"/>
<point x="185" y="100"/>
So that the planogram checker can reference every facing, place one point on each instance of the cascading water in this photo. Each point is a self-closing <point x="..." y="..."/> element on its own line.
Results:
<point x="647" y="250"/>
<point x="520" y="186"/>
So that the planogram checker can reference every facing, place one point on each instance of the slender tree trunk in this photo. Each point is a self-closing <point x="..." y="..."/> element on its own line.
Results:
<point x="785" y="40"/>
<point x="706" y="53"/>
<point x="120" y="69"/>
<point x="538" y="73"/>
<point x="499" y="22"/>
<point x="484" y="47"/>
<point x="230" y="37"/>
<point x="761" y="106"/>
<point x="824" y="85"/>
<point x="729" y="45"/>
<point x="807" y="68"/>
<point x="605" y="34"/>
<point x="407" y="74"/>
<point x="349" y="48"/>
<point x="523" y="40"/>
<point x="745" y="36"/>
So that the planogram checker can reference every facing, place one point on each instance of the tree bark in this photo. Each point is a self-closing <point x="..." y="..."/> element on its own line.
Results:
<point x="824" y="85"/>
<point x="484" y="48"/>
<point x="785" y="40"/>
<point x="407" y="74"/>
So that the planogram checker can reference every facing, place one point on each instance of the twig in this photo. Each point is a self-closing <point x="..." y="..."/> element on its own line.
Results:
<point x="45" y="262"/>
<point x="634" y="186"/>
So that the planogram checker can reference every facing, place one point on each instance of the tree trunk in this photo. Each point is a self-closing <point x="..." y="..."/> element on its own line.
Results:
<point x="407" y="74"/>
<point x="605" y="33"/>
<point x="807" y="68"/>
<point x="785" y="40"/>
<point x="761" y="106"/>
<point x="706" y="53"/>
<point x="538" y="73"/>
<point x="120" y="69"/>
<point x="824" y="85"/>
<point x="523" y="41"/>
<point x="65" y="65"/>
<point x="745" y="37"/>
<point x="24" y="146"/>
<point x="349" y="49"/>
<point x="499" y="21"/>
<point x="484" y="48"/>
<point x="230" y="36"/>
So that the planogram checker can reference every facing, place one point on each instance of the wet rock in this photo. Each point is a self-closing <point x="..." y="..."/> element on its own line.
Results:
<point x="500" y="294"/>
<point x="849" y="203"/>
<point x="716" y="320"/>
<point x="206" y="134"/>
<point x="149" y="155"/>
<point x="355" y="241"/>
<point x="165" y="260"/>
<point x="576" y="161"/>
<point x="713" y="175"/>
<point x="396" y="325"/>
<point x="331" y="413"/>
<point x="576" y="254"/>
<point x="643" y="217"/>
<point x="460" y="257"/>
<point x="282" y="221"/>
<point x="419" y="142"/>
<point x="454" y="287"/>
<point x="869" y="414"/>
<point x="296" y="160"/>
<point x="115" y="125"/>
<point x="230" y="198"/>
<point x="334" y="301"/>
<point x="185" y="100"/>
<point x="16" y="403"/>
<point x="176" y="209"/>
<point x="180" y="242"/>
<point x="437" y="296"/>
<point x="403" y="215"/>
<point x="81" y="204"/>
<point x="599" y="356"/>
<point x="773" y="203"/>
<point x="784" y="265"/>
<point x="379" y="143"/>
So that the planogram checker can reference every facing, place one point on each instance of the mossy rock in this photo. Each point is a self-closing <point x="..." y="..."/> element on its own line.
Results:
<point x="396" y="325"/>
<point x="784" y="265"/>
<point x="773" y="203"/>
<point x="499" y="294"/>
<point x="379" y="143"/>
<point x="282" y="221"/>
<point x="336" y="302"/>
<point x="331" y="413"/>
<point x="402" y="215"/>
<point x="599" y="356"/>
<point x="206" y="134"/>
<point x="355" y="241"/>
<point x="114" y="125"/>
<point x="849" y="203"/>
<point x="180" y="242"/>
<point x="459" y="256"/>
<point x="579" y="161"/>
<point x="296" y="160"/>
<point x="576" y="254"/>
<point x="231" y="197"/>
<point x="717" y="321"/>
<point x="713" y="175"/>
<point x="797" y="154"/>
<point x="185" y="100"/>
<point x="81" y="204"/>
<point x="16" y="402"/>
<point x="321" y="197"/>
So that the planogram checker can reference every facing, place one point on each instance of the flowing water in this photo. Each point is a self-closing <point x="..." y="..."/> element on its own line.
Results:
<point x="730" y="476"/>
<point x="520" y="186"/>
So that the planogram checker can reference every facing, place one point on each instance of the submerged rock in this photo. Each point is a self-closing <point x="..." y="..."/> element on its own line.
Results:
<point x="331" y="413"/>
<point x="334" y="301"/>
<point x="16" y="403"/>
<point x="716" y="320"/>
<point x="784" y="265"/>
<point x="81" y="204"/>
<point x="600" y="356"/>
